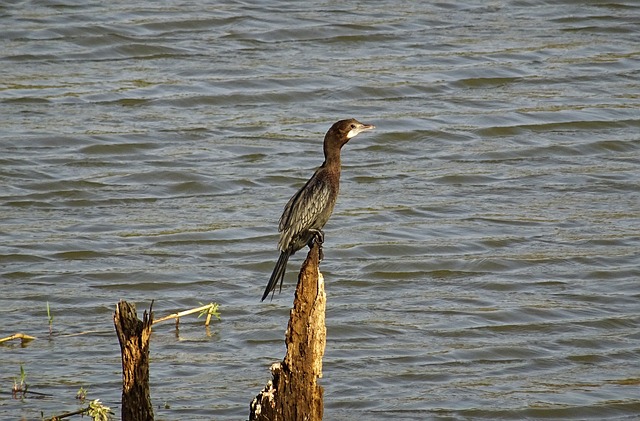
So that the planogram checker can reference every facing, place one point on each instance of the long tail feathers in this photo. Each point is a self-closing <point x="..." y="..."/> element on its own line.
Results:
<point x="277" y="274"/>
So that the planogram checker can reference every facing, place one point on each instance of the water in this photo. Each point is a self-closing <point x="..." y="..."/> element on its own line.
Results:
<point x="482" y="262"/>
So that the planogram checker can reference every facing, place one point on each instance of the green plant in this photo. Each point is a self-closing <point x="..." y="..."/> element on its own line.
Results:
<point x="50" y="316"/>
<point x="82" y="394"/>
<point x="20" y="389"/>
<point x="210" y="310"/>
<point x="98" y="411"/>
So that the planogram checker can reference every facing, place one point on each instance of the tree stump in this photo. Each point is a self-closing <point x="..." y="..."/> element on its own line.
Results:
<point x="133" y="335"/>
<point x="294" y="393"/>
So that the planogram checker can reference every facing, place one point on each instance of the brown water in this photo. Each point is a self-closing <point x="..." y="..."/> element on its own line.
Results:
<point x="483" y="260"/>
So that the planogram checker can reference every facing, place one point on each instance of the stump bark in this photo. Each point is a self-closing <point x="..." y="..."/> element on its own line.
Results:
<point x="133" y="335"/>
<point x="294" y="393"/>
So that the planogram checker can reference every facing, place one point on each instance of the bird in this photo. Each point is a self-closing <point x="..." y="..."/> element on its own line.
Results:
<point x="306" y="213"/>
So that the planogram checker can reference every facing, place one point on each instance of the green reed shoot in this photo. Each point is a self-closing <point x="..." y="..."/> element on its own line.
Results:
<point x="20" y="388"/>
<point x="50" y="316"/>
<point x="82" y="394"/>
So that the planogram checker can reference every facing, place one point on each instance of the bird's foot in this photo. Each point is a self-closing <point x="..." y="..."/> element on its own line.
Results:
<point x="318" y="238"/>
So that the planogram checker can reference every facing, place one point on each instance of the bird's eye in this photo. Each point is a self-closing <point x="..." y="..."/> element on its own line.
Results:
<point x="353" y="126"/>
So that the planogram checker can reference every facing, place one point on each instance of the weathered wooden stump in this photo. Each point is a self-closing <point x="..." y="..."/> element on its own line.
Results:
<point x="133" y="335"/>
<point x="294" y="393"/>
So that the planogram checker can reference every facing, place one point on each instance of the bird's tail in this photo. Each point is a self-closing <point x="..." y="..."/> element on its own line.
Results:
<point x="277" y="274"/>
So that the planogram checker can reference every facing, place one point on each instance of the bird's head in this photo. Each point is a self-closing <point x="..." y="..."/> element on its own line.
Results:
<point x="343" y="130"/>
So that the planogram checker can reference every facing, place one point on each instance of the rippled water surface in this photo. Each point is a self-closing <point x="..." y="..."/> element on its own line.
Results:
<point x="483" y="259"/>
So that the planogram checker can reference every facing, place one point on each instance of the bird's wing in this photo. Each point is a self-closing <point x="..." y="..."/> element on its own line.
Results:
<point x="302" y="210"/>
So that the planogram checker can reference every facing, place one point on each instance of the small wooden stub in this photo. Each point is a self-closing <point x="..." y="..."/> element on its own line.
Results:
<point x="134" y="335"/>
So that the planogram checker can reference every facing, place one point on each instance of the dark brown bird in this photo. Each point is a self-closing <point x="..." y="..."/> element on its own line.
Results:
<point x="310" y="208"/>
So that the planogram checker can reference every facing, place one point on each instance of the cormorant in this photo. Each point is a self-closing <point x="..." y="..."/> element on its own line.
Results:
<point x="309" y="209"/>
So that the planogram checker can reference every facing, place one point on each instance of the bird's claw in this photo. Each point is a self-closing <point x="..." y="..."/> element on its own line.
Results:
<point x="318" y="238"/>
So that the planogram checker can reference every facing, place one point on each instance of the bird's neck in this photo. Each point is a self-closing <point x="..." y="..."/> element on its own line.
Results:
<point x="331" y="156"/>
<point x="332" y="160"/>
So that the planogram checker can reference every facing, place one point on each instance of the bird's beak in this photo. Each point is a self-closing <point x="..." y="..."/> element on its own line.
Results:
<point x="359" y="129"/>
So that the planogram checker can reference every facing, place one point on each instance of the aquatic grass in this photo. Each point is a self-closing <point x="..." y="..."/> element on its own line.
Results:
<point x="50" y="317"/>
<point x="81" y="395"/>
<point x="20" y="389"/>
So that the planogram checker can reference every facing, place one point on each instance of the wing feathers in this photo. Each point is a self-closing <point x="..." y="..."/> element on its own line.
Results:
<point x="304" y="209"/>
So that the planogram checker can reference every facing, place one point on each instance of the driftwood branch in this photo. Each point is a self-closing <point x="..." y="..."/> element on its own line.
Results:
<point x="294" y="392"/>
<point x="95" y="410"/>
<point x="133" y="335"/>
<point x="209" y="309"/>
<point x="22" y="336"/>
